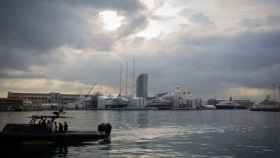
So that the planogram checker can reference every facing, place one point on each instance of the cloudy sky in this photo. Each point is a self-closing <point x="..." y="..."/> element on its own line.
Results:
<point x="213" y="48"/>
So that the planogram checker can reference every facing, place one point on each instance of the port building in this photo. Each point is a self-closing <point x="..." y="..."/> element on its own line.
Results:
<point x="10" y="104"/>
<point x="53" y="100"/>
<point x="44" y="98"/>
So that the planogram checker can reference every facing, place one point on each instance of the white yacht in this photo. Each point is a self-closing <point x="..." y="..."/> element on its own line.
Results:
<point x="228" y="105"/>
<point x="159" y="103"/>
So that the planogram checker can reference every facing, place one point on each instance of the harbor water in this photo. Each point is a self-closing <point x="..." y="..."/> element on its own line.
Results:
<point x="144" y="134"/>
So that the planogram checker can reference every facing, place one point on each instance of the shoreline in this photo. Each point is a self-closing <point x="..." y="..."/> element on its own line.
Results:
<point x="126" y="109"/>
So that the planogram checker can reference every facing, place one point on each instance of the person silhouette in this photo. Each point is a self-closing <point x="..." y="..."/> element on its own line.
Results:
<point x="65" y="127"/>
<point x="60" y="127"/>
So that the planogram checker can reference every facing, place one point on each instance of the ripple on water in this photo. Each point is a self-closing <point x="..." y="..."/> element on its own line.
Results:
<point x="148" y="134"/>
<point x="145" y="134"/>
<point x="159" y="141"/>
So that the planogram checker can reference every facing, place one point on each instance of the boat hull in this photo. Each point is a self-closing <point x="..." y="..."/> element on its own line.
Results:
<point x="229" y="107"/>
<point x="61" y="138"/>
<point x="266" y="109"/>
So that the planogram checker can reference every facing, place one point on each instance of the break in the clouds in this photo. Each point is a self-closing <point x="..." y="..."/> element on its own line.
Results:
<point x="213" y="48"/>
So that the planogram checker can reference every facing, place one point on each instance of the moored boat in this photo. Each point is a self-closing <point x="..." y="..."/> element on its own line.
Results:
<point x="208" y="107"/>
<point x="228" y="105"/>
<point x="272" y="108"/>
<point x="118" y="102"/>
<point x="159" y="103"/>
<point x="266" y="105"/>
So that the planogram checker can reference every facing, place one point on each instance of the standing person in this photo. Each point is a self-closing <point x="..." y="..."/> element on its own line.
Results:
<point x="60" y="127"/>
<point x="44" y="123"/>
<point x="55" y="127"/>
<point x="49" y="125"/>
<point x="65" y="127"/>
<point x="52" y="126"/>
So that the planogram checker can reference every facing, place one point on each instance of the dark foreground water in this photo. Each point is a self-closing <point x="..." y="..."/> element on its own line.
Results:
<point x="144" y="134"/>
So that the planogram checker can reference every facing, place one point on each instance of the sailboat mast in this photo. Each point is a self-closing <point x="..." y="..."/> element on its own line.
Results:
<point x="120" y="93"/>
<point x="133" y="77"/>
<point x="126" y="79"/>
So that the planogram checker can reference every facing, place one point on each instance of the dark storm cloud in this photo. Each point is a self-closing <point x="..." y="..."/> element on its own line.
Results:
<point x="129" y="6"/>
<point x="38" y="24"/>
<point x="269" y="21"/>
<point x="200" y="19"/>
<point x="209" y="65"/>
<point x="249" y="59"/>
<point x="212" y="64"/>
<point x="31" y="30"/>
<point x="253" y="50"/>
<point x="271" y="3"/>
<point x="17" y="74"/>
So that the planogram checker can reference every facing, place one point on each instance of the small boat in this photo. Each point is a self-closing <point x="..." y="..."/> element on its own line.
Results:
<point x="228" y="105"/>
<point x="208" y="107"/>
<point x="38" y="132"/>
<point x="272" y="108"/>
<point x="266" y="105"/>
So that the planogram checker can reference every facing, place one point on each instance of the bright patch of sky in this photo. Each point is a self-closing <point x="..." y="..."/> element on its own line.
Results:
<point x="111" y="20"/>
<point x="163" y="19"/>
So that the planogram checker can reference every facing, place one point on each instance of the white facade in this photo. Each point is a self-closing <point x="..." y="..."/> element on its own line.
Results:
<point x="102" y="101"/>
<point x="133" y="102"/>
<point x="137" y="102"/>
<point x="182" y="99"/>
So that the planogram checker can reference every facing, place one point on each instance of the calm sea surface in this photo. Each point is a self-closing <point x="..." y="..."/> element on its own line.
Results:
<point x="144" y="134"/>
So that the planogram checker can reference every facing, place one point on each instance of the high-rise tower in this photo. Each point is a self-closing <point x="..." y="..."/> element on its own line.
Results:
<point x="142" y="86"/>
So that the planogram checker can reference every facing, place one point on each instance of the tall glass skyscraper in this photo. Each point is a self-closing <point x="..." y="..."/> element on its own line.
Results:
<point x="142" y="86"/>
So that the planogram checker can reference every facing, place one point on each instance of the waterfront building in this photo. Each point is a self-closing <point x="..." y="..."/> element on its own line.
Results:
<point x="120" y="102"/>
<point x="45" y="99"/>
<point x="276" y="93"/>
<point x="142" y="86"/>
<point x="182" y="98"/>
<point x="243" y="102"/>
<point x="7" y="104"/>
<point x="178" y="99"/>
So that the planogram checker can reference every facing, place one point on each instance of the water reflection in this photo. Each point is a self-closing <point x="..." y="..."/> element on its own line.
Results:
<point x="168" y="134"/>
<point x="44" y="151"/>
<point x="142" y="119"/>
